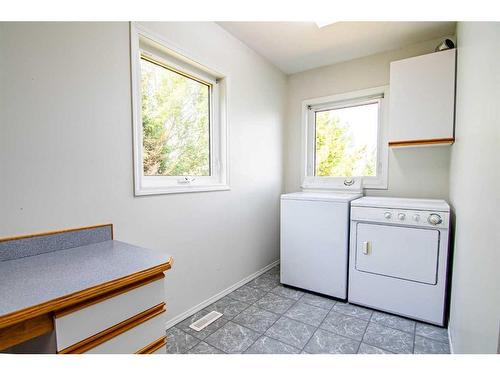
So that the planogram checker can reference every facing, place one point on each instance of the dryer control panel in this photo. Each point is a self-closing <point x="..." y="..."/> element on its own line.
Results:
<point x="420" y="218"/>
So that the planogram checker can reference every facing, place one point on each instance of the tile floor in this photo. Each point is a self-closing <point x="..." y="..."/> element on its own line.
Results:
<point x="265" y="317"/>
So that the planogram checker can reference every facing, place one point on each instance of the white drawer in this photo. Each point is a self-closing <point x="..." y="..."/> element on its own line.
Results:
<point x="133" y="340"/>
<point x="81" y="324"/>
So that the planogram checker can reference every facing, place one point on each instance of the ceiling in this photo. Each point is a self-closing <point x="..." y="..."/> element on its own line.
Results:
<point x="297" y="46"/>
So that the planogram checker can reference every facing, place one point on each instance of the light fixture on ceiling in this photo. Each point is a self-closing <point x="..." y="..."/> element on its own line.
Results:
<point x="321" y="24"/>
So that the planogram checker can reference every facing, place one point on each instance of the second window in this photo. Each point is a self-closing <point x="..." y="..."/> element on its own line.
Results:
<point x="345" y="139"/>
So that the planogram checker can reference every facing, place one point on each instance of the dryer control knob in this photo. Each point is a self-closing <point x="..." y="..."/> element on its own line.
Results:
<point x="401" y="216"/>
<point x="434" y="219"/>
<point x="387" y="215"/>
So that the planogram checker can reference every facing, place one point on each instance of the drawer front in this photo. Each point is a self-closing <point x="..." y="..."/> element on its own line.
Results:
<point x="156" y="347"/>
<point x="133" y="340"/>
<point x="162" y="350"/>
<point x="88" y="321"/>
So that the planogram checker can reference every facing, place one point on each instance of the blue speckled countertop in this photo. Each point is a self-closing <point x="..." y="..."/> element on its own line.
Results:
<point x="32" y="280"/>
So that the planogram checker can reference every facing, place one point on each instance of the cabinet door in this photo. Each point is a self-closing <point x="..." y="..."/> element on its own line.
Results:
<point x="422" y="100"/>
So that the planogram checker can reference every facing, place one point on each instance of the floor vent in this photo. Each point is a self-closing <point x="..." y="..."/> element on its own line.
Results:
<point x="205" y="321"/>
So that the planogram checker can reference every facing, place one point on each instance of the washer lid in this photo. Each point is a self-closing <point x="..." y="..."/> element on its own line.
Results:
<point x="323" y="196"/>
<point x="403" y="203"/>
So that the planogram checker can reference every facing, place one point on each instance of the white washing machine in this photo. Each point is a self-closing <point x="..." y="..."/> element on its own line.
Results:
<point x="315" y="241"/>
<point x="398" y="256"/>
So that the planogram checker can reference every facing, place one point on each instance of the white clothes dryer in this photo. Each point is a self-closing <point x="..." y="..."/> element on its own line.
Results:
<point x="398" y="256"/>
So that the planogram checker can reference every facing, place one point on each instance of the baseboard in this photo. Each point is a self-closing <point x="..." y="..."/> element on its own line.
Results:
<point x="179" y="318"/>
<point x="450" y="342"/>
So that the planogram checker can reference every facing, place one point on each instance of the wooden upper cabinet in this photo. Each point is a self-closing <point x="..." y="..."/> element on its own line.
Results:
<point x="422" y="100"/>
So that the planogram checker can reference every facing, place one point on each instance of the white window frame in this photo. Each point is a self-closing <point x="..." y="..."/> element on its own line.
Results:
<point x="311" y="106"/>
<point x="144" y="42"/>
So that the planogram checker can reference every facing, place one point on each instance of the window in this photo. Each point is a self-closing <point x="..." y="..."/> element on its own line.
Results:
<point x="179" y="120"/>
<point x="175" y="111"/>
<point x="345" y="140"/>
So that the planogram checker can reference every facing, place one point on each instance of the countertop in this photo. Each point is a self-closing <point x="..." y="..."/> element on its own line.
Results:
<point x="33" y="280"/>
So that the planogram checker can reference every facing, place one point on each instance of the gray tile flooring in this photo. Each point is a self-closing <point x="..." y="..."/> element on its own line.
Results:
<point x="265" y="317"/>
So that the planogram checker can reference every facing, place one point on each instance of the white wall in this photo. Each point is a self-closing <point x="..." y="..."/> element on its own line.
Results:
<point x="66" y="151"/>
<point x="474" y="191"/>
<point x="421" y="172"/>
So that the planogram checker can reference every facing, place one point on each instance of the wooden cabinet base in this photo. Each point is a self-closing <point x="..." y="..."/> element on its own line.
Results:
<point x="25" y="330"/>
<point x="120" y="312"/>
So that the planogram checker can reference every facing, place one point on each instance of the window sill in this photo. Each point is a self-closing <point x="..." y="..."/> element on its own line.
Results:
<point x="329" y="186"/>
<point x="375" y="187"/>
<point x="179" y="189"/>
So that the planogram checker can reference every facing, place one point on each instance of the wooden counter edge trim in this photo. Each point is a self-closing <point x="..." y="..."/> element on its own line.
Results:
<point x="420" y="142"/>
<point x="81" y="296"/>
<point x="108" y="334"/>
<point x="25" y="330"/>
<point x="41" y="234"/>
<point x="154" y="346"/>
<point x="92" y="301"/>
<point x="158" y="348"/>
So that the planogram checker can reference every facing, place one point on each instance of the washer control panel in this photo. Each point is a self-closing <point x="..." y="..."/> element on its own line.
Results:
<point x="403" y="216"/>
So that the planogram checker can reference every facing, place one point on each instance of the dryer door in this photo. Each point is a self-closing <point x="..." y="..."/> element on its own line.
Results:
<point x="400" y="252"/>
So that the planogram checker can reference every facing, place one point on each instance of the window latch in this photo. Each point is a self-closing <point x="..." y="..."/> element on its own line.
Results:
<point x="349" y="182"/>
<point x="186" y="180"/>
